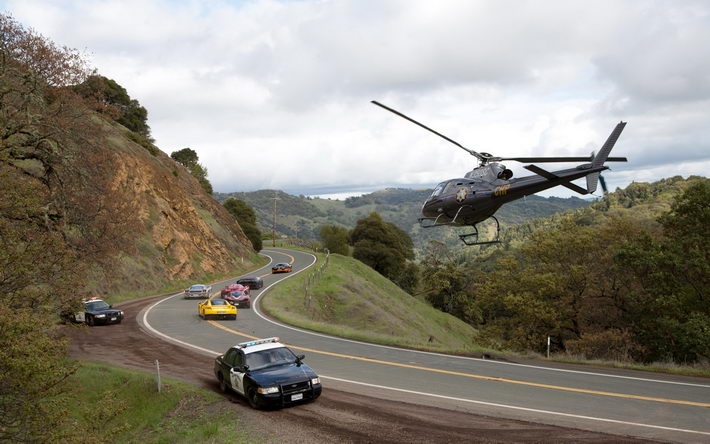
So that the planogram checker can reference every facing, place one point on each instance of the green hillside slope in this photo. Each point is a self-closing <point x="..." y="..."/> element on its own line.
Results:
<point x="349" y="299"/>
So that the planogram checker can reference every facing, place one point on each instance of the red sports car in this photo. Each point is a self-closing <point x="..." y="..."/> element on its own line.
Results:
<point x="237" y="295"/>
<point x="234" y="287"/>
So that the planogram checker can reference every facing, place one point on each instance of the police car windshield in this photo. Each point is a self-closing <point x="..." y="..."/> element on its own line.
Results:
<point x="97" y="305"/>
<point x="269" y="358"/>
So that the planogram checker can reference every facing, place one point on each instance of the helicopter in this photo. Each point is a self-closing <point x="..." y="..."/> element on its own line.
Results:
<point x="477" y="196"/>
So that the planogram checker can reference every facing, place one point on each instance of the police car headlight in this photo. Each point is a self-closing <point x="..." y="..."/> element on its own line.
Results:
<point x="267" y="390"/>
<point x="315" y="381"/>
<point x="100" y="315"/>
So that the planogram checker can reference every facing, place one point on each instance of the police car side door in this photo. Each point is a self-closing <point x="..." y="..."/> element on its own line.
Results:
<point x="236" y="373"/>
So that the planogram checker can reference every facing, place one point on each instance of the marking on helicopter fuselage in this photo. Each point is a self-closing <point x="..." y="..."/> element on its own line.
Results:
<point x="461" y="195"/>
<point x="501" y="190"/>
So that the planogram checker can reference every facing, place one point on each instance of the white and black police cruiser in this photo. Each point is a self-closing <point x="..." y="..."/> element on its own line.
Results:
<point x="267" y="374"/>
<point x="96" y="311"/>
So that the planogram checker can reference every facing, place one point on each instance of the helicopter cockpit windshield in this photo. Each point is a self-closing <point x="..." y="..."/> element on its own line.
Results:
<point x="449" y="187"/>
<point x="438" y="190"/>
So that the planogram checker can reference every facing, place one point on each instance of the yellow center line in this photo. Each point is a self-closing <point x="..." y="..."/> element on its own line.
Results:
<point x="293" y="259"/>
<point x="475" y="376"/>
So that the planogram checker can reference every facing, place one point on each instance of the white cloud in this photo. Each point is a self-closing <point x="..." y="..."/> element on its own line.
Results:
<point x="286" y="85"/>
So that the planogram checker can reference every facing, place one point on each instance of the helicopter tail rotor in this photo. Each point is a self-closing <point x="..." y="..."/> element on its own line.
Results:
<point x="602" y="182"/>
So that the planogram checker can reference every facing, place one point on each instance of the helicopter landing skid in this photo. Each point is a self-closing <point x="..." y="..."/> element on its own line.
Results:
<point x="469" y="239"/>
<point x="429" y="222"/>
<point x="466" y="238"/>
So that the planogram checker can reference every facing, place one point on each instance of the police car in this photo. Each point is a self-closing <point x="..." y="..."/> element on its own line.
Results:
<point x="97" y="311"/>
<point x="267" y="374"/>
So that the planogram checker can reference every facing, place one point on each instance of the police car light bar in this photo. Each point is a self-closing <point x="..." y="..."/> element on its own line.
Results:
<point x="257" y="342"/>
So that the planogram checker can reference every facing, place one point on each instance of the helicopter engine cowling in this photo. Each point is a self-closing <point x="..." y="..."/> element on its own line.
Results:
<point x="490" y="172"/>
<point x="506" y="174"/>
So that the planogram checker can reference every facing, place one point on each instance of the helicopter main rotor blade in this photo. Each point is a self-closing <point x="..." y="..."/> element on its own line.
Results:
<point x="471" y="152"/>
<point x="554" y="159"/>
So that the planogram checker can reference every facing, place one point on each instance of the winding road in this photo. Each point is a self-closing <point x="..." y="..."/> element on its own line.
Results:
<point x="620" y="402"/>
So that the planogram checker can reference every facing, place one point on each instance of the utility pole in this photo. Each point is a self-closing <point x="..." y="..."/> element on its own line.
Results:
<point x="273" y="222"/>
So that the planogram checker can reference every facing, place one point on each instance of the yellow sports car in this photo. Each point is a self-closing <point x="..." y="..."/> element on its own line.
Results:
<point x="217" y="309"/>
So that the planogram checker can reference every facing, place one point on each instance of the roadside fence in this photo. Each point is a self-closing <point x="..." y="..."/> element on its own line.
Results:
<point x="314" y="279"/>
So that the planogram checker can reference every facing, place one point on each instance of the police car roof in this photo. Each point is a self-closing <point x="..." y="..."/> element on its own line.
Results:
<point x="259" y="345"/>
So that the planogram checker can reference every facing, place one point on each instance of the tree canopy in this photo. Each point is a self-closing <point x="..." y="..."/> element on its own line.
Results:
<point x="335" y="239"/>
<point x="669" y="290"/>
<point x="386" y="248"/>
<point x="108" y="97"/>
<point x="44" y="229"/>
<point x="244" y="214"/>
<point x="188" y="158"/>
<point x="600" y="283"/>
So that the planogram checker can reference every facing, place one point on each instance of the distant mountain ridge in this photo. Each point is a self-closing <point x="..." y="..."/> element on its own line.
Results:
<point x="301" y="216"/>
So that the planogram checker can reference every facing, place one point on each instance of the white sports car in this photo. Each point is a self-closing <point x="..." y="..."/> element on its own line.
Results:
<point x="198" y="291"/>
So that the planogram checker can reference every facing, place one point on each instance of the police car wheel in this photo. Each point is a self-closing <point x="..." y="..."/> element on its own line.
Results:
<point x="251" y="397"/>
<point x="222" y="384"/>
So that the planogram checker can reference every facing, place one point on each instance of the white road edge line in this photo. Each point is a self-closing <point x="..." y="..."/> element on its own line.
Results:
<point x="512" y="407"/>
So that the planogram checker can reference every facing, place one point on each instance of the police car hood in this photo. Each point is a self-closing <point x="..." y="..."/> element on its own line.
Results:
<point x="106" y="311"/>
<point x="282" y="374"/>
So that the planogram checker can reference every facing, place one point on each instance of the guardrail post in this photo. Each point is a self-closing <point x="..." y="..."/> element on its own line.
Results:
<point x="157" y="369"/>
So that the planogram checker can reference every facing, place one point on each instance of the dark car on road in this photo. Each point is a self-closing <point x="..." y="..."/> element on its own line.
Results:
<point x="267" y="374"/>
<point x="253" y="282"/>
<point x="98" y="312"/>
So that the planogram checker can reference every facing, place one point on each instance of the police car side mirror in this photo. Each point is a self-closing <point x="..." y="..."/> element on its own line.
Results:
<point x="300" y="358"/>
<point x="238" y="369"/>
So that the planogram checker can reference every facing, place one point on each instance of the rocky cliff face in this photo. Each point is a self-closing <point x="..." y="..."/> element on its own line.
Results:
<point x="183" y="222"/>
<point x="182" y="233"/>
<point x="128" y="216"/>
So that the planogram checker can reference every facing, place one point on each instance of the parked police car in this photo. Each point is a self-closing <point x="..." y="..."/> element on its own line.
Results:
<point x="97" y="311"/>
<point x="266" y="373"/>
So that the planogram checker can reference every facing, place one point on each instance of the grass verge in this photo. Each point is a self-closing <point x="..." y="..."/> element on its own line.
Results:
<point x="109" y="404"/>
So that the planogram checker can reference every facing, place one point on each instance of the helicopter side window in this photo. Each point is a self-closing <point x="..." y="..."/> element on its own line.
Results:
<point x="452" y="186"/>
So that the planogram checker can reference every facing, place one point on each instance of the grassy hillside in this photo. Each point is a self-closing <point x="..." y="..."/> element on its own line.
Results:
<point x="349" y="299"/>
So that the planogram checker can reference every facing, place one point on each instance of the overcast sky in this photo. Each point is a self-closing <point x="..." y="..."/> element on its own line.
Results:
<point x="276" y="94"/>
